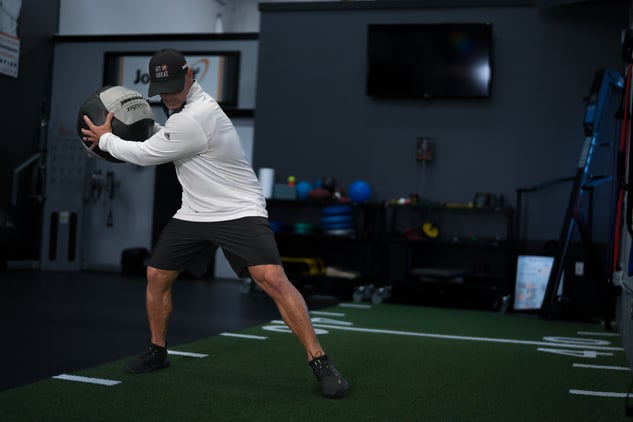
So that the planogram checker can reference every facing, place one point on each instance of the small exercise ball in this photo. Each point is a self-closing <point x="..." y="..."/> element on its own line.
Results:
<point x="133" y="117"/>
<point x="303" y="190"/>
<point x="329" y="184"/>
<point x="359" y="191"/>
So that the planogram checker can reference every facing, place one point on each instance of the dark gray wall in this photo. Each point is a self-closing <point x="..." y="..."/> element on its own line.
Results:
<point x="20" y="108"/>
<point x="313" y="118"/>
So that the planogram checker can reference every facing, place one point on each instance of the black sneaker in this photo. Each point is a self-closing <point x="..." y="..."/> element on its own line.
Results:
<point x="154" y="358"/>
<point x="333" y="385"/>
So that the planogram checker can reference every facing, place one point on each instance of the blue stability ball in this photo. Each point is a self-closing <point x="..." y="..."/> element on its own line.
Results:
<point x="303" y="190"/>
<point x="359" y="191"/>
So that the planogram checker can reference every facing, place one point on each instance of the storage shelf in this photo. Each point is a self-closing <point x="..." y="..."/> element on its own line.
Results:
<point x="477" y="240"/>
<point x="491" y="243"/>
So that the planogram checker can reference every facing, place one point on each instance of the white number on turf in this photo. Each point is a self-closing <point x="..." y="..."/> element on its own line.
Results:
<point x="575" y="340"/>
<point x="591" y="354"/>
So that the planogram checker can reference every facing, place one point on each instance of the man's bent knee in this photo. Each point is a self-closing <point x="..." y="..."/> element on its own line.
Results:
<point x="269" y="276"/>
<point x="160" y="279"/>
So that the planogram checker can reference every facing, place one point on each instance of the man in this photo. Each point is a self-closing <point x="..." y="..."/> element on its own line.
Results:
<point x="222" y="206"/>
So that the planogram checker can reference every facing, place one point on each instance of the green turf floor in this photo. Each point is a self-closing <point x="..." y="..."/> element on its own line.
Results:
<point x="403" y="363"/>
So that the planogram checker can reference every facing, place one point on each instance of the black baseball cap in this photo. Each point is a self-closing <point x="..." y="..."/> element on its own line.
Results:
<point x="167" y="70"/>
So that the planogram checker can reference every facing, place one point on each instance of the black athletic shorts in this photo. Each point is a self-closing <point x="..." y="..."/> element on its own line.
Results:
<point x="190" y="246"/>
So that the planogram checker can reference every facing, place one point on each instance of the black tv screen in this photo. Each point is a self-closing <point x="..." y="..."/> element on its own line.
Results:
<point x="429" y="60"/>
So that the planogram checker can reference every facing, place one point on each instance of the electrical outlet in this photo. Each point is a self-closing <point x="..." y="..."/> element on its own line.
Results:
<point x="424" y="149"/>
<point x="579" y="269"/>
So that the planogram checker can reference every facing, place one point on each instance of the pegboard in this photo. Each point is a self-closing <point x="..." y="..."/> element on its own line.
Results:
<point x="67" y="165"/>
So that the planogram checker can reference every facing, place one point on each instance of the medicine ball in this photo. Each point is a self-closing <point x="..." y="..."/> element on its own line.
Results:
<point x="133" y="117"/>
<point x="329" y="184"/>
<point x="359" y="191"/>
<point x="303" y="190"/>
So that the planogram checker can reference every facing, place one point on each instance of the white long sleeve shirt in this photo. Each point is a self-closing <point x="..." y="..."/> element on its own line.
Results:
<point x="218" y="183"/>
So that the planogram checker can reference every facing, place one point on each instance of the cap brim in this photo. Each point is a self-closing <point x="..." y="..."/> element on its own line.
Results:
<point x="165" y="87"/>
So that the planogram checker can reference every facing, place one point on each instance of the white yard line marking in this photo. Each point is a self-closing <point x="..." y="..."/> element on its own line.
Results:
<point x="467" y="338"/>
<point x="327" y="313"/>
<point x="188" y="354"/>
<point x="599" y="393"/>
<point x="598" y="333"/>
<point x="354" y="305"/>
<point x="317" y="321"/>
<point x="88" y="380"/>
<point x="613" y="368"/>
<point x="244" y="336"/>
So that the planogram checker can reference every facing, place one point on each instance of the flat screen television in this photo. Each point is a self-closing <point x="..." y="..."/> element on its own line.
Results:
<point x="448" y="60"/>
